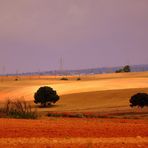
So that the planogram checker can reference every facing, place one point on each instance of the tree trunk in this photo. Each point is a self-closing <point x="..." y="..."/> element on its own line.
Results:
<point x="43" y="104"/>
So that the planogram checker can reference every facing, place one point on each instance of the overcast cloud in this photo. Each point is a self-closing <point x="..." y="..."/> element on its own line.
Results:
<point x="34" y="34"/>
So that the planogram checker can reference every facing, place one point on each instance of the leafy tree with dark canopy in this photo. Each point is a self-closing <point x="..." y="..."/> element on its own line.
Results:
<point x="126" y="68"/>
<point x="139" y="99"/>
<point x="46" y="95"/>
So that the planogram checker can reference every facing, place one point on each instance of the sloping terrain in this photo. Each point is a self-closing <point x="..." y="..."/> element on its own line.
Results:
<point x="27" y="87"/>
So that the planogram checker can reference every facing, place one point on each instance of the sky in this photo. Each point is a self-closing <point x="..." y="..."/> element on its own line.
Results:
<point x="36" y="34"/>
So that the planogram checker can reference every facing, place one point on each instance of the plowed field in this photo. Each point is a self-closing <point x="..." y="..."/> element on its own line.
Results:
<point x="73" y="132"/>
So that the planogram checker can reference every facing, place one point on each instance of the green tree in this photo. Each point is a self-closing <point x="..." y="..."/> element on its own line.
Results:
<point x="127" y="68"/>
<point x="46" y="95"/>
<point x="119" y="70"/>
<point x="139" y="99"/>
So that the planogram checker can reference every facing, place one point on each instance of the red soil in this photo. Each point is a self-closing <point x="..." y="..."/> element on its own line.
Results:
<point x="70" y="127"/>
<point x="74" y="128"/>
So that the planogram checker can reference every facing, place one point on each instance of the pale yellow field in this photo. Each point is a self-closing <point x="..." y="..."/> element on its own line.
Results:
<point x="93" y="93"/>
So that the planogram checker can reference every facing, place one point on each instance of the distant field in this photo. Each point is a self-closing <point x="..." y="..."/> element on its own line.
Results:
<point x="97" y="101"/>
<point x="111" y="103"/>
<point x="102" y="92"/>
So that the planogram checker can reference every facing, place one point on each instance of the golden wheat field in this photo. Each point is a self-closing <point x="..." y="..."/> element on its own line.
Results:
<point x="106" y="94"/>
<point x="92" y="93"/>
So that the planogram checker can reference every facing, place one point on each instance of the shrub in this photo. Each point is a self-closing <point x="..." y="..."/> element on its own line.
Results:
<point x="75" y="115"/>
<point x="139" y="99"/>
<point x="126" y="68"/>
<point x="45" y="95"/>
<point x="64" y="78"/>
<point x="18" y="109"/>
<point x="119" y="70"/>
<point x="78" y="79"/>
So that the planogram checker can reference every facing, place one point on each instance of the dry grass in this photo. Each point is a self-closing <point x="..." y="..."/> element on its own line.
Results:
<point x="109" y="100"/>
<point x="102" y="93"/>
<point x="18" y="109"/>
<point x="89" y="83"/>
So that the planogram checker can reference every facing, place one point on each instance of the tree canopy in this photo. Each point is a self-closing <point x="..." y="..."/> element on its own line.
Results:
<point x="46" y="95"/>
<point x="139" y="99"/>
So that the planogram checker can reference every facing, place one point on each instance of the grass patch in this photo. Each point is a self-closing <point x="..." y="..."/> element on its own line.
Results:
<point x="78" y="79"/>
<point x="123" y="115"/>
<point x="18" y="109"/>
<point x="75" y="115"/>
<point x="64" y="78"/>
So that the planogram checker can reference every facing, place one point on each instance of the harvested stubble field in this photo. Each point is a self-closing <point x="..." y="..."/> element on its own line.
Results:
<point x="73" y="132"/>
<point x="107" y="94"/>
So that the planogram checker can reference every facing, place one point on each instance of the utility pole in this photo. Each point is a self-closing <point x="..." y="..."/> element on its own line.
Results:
<point x="16" y="75"/>
<point x="63" y="73"/>
<point x="4" y="69"/>
<point x="61" y="66"/>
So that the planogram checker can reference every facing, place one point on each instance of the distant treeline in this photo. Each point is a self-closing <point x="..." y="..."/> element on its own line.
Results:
<point x="133" y="68"/>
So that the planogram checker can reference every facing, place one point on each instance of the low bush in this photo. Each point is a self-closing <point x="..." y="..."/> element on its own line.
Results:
<point x="78" y="79"/>
<point x="76" y="115"/>
<point x="126" y="68"/>
<point x="64" y="78"/>
<point x="18" y="109"/>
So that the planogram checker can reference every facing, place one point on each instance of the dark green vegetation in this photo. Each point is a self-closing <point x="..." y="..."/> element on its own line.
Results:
<point x="123" y="115"/>
<point x="46" y="95"/>
<point x="78" y="79"/>
<point x="124" y="69"/>
<point x="139" y="99"/>
<point x="18" y="109"/>
<point x="64" y="78"/>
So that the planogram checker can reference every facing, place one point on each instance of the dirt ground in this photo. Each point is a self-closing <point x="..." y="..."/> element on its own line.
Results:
<point x="73" y="132"/>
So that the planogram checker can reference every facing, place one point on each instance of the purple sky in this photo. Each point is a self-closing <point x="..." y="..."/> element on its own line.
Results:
<point x="34" y="34"/>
